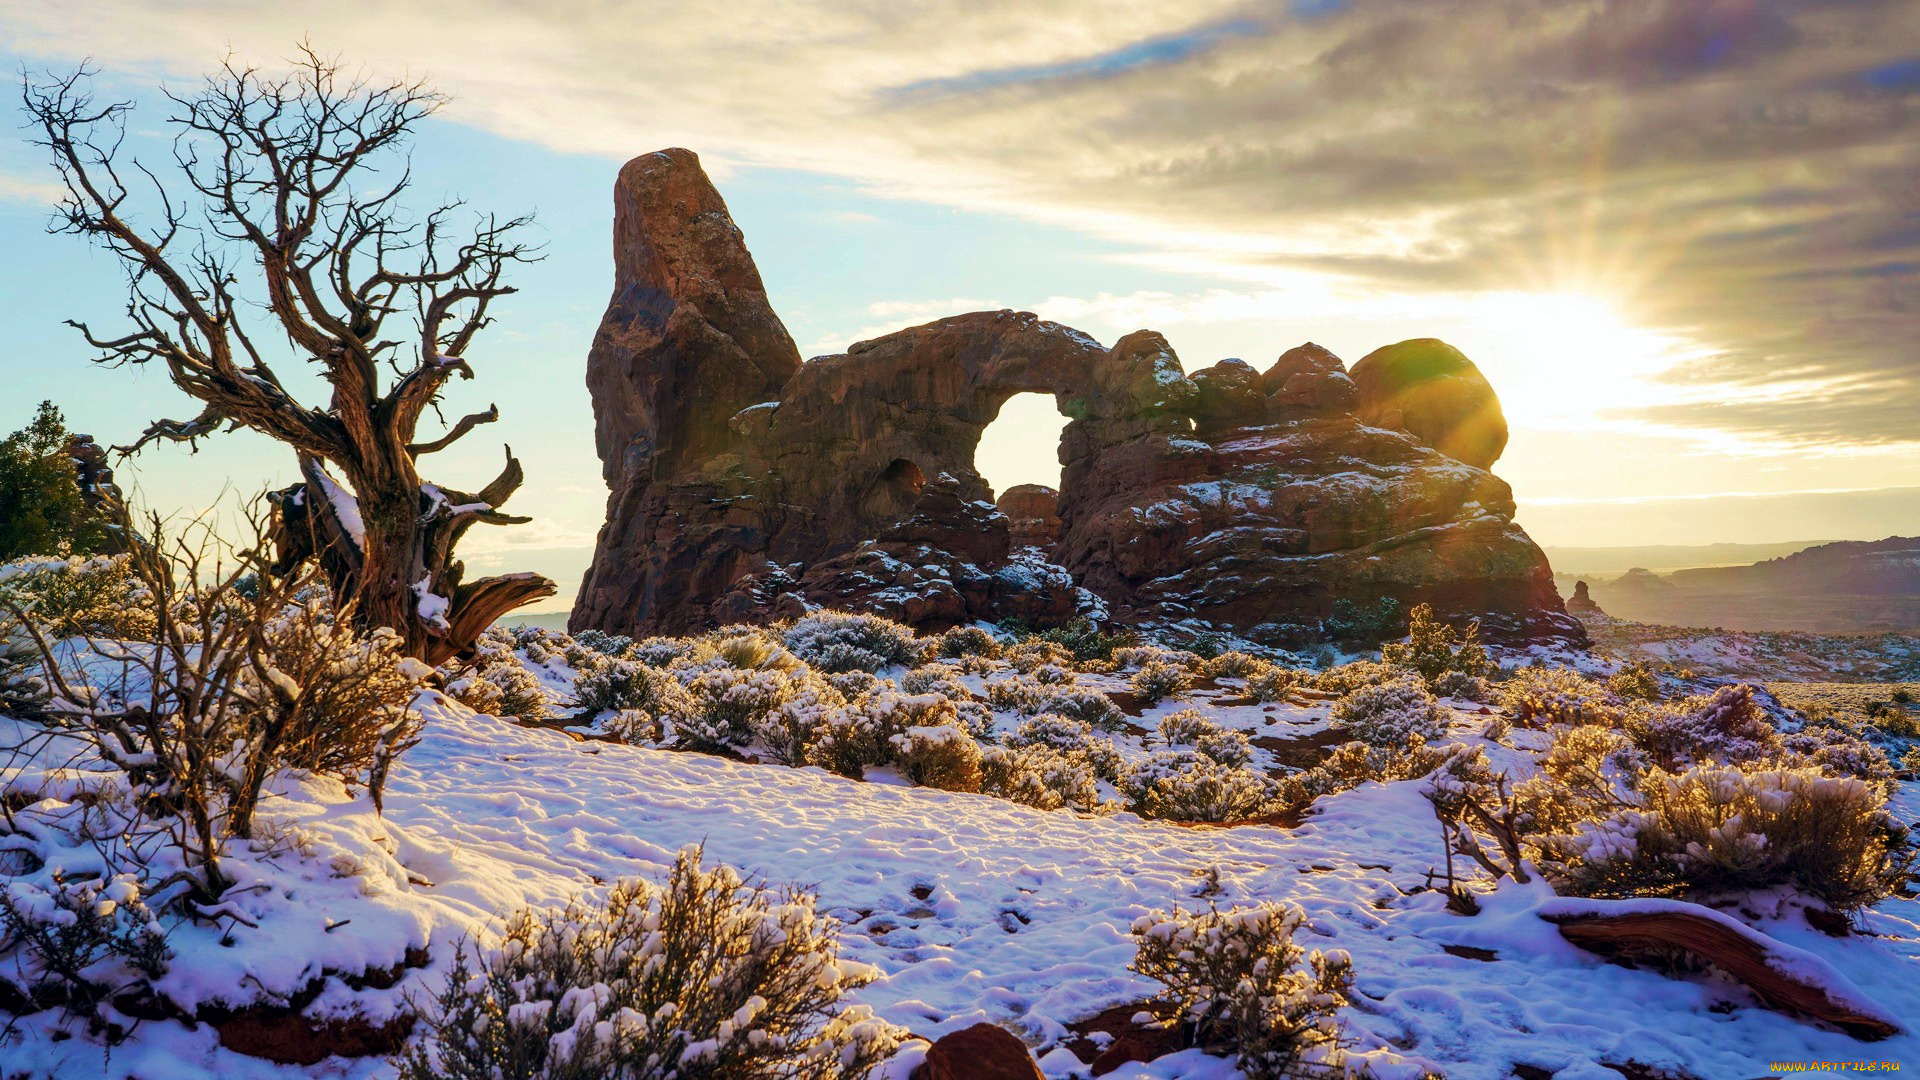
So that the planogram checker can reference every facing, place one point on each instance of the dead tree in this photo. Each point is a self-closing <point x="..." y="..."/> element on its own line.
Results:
<point x="285" y="209"/>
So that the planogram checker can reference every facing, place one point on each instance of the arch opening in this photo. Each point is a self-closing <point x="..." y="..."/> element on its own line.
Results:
<point x="1022" y="444"/>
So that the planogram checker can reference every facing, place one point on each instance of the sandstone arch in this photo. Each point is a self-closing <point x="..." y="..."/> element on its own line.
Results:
<point x="745" y="485"/>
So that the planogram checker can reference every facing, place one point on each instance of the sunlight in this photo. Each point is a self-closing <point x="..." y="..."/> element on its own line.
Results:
<point x="1563" y="358"/>
<point x="1022" y="445"/>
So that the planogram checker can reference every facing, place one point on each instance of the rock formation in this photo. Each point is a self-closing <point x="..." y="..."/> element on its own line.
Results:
<point x="1426" y="387"/>
<point x="746" y="486"/>
<point x="1582" y="602"/>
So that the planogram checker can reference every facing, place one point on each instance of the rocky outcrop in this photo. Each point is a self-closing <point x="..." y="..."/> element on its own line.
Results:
<point x="745" y="486"/>
<point x="982" y="1052"/>
<point x="1428" y="388"/>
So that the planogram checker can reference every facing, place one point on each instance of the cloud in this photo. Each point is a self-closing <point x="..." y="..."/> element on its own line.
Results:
<point x="1734" y="172"/>
<point x="24" y="189"/>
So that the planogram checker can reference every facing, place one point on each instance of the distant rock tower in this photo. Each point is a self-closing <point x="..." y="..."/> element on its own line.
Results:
<point x="1581" y="602"/>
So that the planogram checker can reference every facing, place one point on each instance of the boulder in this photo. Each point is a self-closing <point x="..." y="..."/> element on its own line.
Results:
<point x="1228" y="393"/>
<point x="1308" y="380"/>
<point x="1427" y="387"/>
<point x="981" y="1052"/>
<point x="1033" y="515"/>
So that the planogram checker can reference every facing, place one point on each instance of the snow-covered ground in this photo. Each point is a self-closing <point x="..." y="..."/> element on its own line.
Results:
<point x="972" y="907"/>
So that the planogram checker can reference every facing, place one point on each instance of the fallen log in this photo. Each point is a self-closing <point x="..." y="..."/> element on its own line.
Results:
<point x="1782" y="977"/>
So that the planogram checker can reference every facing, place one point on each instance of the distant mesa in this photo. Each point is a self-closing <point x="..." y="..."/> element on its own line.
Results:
<point x="746" y="486"/>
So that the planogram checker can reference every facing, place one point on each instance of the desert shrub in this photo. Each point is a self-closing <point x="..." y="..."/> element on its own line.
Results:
<point x="617" y="683"/>
<point x="835" y="642"/>
<point x="1040" y="775"/>
<point x="1717" y="830"/>
<point x="1727" y="727"/>
<point x="1434" y="649"/>
<point x="730" y="702"/>
<point x="1159" y="680"/>
<point x="1085" y="641"/>
<point x="861" y="732"/>
<point x="1347" y="678"/>
<point x="1083" y="704"/>
<point x="602" y="642"/>
<point x="1017" y="694"/>
<point x="1544" y="696"/>
<point x="1245" y="986"/>
<point x="101" y="596"/>
<point x="1456" y="684"/>
<point x="1233" y="665"/>
<point x="704" y="978"/>
<point x="1837" y="751"/>
<point x="1351" y="624"/>
<point x="1186" y="785"/>
<point x="1070" y="736"/>
<point x="495" y="682"/>
<point x="941" y="679"/>
<point x="353" y="690"/>
<point x="1635" y="682"/>
<point x="1135" y="657"/>
<point x="1188" y="728"/>
<point x="1390" y="713"/>
<point x="751" y="648"/>
<point x="943" y="757"/>
<point x="73" y="941"/>
<point x="1272" y="683"/>
<point x="636" y="726"/>
<point x="1032" y="654"/>
<point x="788" y="730"/>
<point x="661" y="652"/>
<point x="968" y="641"/>
<point x="1052" y="675"/>
<point x="1355" y="763"/>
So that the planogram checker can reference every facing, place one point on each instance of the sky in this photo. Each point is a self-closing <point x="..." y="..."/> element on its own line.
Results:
<point x="1681" y="237"/>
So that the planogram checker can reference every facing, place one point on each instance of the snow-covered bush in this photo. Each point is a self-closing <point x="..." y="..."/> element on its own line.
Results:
<point x="1718" y="830"/>
<point x="1272" y="683"/>
<point x="1546" y="696"/>
<point x="968" y="641"/>
<point x="1070" y="736"/>
<point x="753" y="649"/>
<point x="73" y="941"/>
<point x="1725" y="728"/>
<point x="602" y="642"/>
<point x="1035" y="653"/>
<point x="853" y="684"/>
<point x="1188" y="728"/>
<point x="835" y="642"/>
<point x="636" y="726"/>
<point x="1391" y="712"/>
<point x="704" y="979"/>
<point x="1135" y="657"/>
<point x="1158" y="680"/>
<point x="1052" y="675"/>
<point x="731" y="702"/>
<point x="1838" y="751"/>
<point x="1084" y="704"/>
<point x="941" y="679"/>
<point x="619" y="684"/>
<point x="1355" y="763"/>
<point x="102" y="596"/>
<point x="495" y="682"/>
<point x="1347" y="678"/>
<point x="1434" y="650"/>
<point x="1017" y="694"/>
<point x="661" y="652"/>
<point x="1233" y="665"/>
<point x="1245" y="986"/>
<point x="861" y="732"/>
<point x="1041" y="776"/>
<point x="1186" y="785"/>
<point x="1635" y="682"/>
<point x="1085" y="642"/>
<point x="789" y="731"/>
<point x="943" y="756"/>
